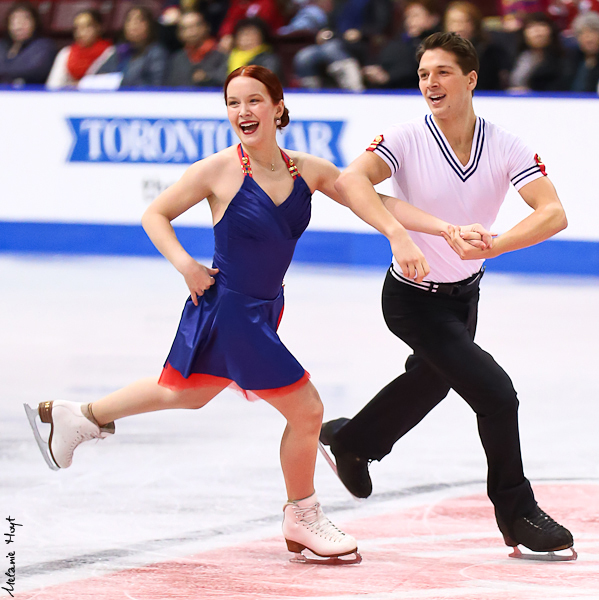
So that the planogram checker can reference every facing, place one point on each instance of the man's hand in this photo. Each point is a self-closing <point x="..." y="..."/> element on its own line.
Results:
<point x="476" y="235"/>
<point x="470" y="244"/>
<point x="410" y="258"/>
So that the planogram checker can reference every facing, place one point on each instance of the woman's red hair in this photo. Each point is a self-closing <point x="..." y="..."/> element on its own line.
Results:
<point x="268" y="79"/>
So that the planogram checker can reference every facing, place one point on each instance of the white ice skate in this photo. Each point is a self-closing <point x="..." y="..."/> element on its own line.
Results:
<point x="69" y="427"/>
<point x="306" y="527"/>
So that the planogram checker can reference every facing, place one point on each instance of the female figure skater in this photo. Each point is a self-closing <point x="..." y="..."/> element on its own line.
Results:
<point x="260" y="202"/>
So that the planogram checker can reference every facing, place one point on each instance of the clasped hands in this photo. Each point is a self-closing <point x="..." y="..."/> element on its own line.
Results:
<point x="467" y="241"/>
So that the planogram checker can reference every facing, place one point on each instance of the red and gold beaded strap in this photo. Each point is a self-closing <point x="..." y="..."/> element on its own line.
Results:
<point x="246" y="167"/>
<point x="290" y="165"/>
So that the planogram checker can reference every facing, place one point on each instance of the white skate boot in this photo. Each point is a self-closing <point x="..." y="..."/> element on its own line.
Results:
<point x="70" y="425"/>
<point x="305" y="526"/>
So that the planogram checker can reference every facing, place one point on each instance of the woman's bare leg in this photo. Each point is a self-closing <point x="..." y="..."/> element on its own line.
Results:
<point x="299" y="445"/>
<point x="145" y="395"/>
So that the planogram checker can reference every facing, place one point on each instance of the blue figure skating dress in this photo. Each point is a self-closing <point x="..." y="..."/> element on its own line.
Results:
<point x="231" y="336"/>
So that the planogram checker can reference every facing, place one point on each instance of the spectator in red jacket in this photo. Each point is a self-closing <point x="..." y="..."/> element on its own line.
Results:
<point x="85" y="56"/>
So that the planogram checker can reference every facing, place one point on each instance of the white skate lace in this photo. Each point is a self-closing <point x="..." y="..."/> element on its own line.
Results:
<point x="315" y="520"/>
<point x="83" y="437"/>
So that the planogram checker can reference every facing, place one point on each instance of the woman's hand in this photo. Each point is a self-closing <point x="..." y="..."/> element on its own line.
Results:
<point x="476" y="235"/>
<point x="409" y="257"/>
<point x="198" y="279"/>
<point x="470" y="242"/>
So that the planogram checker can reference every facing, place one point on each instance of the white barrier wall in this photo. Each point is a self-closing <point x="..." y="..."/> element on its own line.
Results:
<point x="77" y="157"/>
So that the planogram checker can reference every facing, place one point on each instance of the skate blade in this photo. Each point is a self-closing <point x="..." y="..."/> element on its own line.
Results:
<point x="333" y="466"/>
<point x="328" y="458"/>
<point x="545" y="556"/>
<point x="42" y="444"/>
<point x="354" y="558"/>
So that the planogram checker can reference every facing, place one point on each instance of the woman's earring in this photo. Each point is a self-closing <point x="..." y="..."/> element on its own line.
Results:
<point x="278" y="122"/>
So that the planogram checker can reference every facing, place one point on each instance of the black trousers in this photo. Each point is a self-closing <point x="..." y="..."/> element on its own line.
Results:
<point x="440" y="330"/>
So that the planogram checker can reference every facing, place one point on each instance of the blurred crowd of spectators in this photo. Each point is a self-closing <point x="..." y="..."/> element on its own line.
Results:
<point x="537" y="45"/>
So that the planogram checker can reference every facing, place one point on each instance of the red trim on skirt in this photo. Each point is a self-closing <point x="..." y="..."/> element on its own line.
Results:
<point x="172" y="379"/>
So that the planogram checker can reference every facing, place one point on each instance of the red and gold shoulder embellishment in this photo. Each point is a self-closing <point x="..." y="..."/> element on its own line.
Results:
<point x="376" y="142"/>
<point x="541" y="164"/>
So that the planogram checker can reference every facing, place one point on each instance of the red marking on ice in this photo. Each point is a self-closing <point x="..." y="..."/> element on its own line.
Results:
<point x="450" y="549"/>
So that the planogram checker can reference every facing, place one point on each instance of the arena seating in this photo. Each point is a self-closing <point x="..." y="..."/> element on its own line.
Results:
<point x="57" y="15"/>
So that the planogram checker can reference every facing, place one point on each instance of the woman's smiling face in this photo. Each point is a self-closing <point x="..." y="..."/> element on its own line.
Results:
<point x="251" y="111"/>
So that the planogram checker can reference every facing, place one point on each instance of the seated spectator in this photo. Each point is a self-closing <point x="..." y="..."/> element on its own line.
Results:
<point x="584" y="60"/>
<point x="199" y="63"/>
<point x="214" y="12"/>
<point x="514" y="12"/>
<point x="465" y="19"/>
<point x="24" y="56"/>
<point x="396" y="65"/>
<point x="340" y="48"/>
<point x="89" y="52"/>
<point x="267" y="11"/>
<point x="310" y="17"/>
<point x="540" y="64"/>
<point x="140" y="59"/>
<point x="251" y="47"/>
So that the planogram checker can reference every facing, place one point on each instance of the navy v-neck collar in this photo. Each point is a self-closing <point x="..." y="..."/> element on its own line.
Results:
<point x="463" y="172"/>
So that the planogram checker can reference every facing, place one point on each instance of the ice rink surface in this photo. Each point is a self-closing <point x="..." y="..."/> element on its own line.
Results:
<point x="187" y="504"/>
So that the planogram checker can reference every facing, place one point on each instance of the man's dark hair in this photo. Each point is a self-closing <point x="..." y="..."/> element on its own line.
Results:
<point x="461" y="48"/>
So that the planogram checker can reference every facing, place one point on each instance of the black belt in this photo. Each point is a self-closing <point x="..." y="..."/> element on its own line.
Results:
<point x="451" y="289"/>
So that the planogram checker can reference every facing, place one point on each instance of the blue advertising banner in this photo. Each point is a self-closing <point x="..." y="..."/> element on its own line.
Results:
<point x="184" y="141"/>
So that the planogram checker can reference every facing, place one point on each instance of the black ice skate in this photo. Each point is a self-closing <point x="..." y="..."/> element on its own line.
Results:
<point x="538" y="532"/>
<point x="351" y="469"/>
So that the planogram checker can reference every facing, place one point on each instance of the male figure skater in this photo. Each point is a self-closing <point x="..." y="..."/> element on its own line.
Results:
<point x="456" y="167"/>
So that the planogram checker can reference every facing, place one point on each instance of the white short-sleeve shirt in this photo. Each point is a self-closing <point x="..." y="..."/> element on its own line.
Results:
<point x="427" y="174"/>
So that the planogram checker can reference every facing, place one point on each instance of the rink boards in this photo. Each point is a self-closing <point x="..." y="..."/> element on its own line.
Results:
<point x="80" y="168"/>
